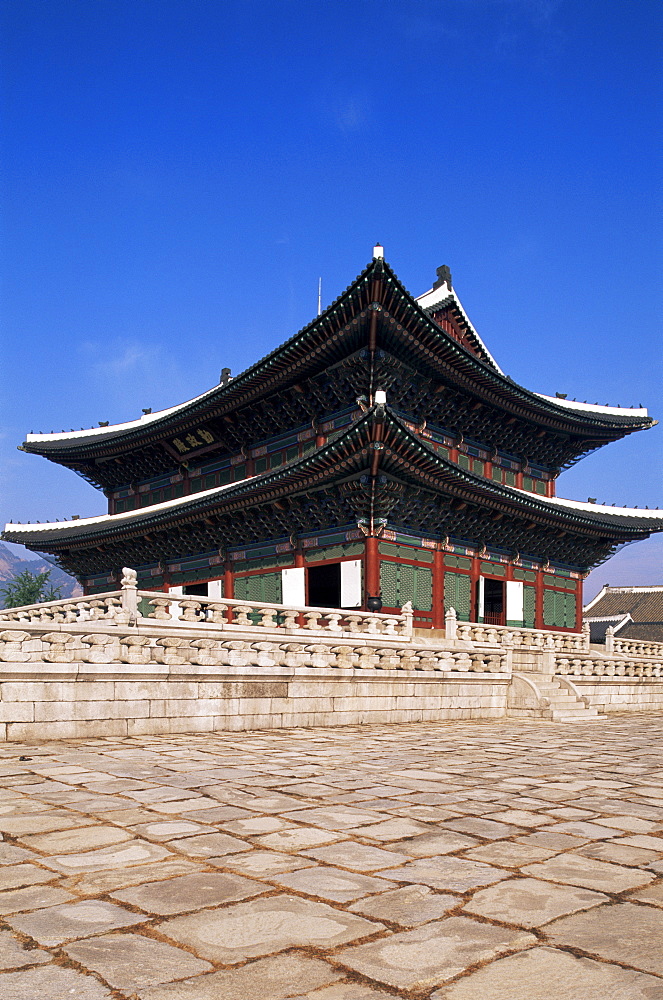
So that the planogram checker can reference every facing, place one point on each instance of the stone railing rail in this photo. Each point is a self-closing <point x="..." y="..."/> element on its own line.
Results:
<point x="123" y="607"/>
<point x="108" y="607"/>
<point x="523" y="638"/>
<point x="228" y="612"/>
<point x="608" y="666"/>
<point x="154" y="645"/>
<point x="636" y="647"/>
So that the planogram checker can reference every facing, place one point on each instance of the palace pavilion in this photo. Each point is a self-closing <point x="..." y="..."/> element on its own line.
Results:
<point x="379" y="456"/>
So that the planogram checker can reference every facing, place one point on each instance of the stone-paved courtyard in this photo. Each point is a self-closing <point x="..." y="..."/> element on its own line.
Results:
<point x="454" y="861"/>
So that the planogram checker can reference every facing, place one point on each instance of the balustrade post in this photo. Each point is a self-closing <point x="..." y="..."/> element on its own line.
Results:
<point x="610" y="640"/>
<point x="130" y="595"/>
<point x="451" y="624"/>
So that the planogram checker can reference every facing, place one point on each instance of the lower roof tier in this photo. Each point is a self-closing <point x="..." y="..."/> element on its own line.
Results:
<point x="376" y="472"/>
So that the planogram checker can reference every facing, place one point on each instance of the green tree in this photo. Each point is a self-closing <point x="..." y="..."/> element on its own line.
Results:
<point x="29" y="588"/>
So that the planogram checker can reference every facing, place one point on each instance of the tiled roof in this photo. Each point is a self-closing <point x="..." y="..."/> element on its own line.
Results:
<point x="643" y="604"/>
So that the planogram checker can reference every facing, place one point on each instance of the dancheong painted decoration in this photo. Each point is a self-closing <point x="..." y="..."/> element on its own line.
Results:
<point x="379" y="455"/>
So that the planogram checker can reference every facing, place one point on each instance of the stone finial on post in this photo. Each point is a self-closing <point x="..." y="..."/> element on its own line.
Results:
<point x="130" y="595"/>
<point x="585" y="635"/>
<point x="610" y="639"/>
<point x="450" y="623"/>
<point x="408" y="618"/>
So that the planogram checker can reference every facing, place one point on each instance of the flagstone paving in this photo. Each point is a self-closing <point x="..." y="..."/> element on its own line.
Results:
<point x="516" y="860"/>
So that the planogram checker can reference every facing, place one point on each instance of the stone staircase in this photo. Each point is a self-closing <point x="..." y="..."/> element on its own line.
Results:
<point x="545" y="696"/>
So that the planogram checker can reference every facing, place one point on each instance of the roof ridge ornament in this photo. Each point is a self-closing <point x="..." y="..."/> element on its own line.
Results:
<point x="443" y="277"/>
<point x="378" y="252"/>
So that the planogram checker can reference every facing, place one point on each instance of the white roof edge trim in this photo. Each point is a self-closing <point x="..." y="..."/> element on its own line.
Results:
<point x="572" y="404"/>
<point x="146" y="418"/>
<point x="656" y="515"/>
<point x="130" y="515"/>
<point x="435" y="295"/>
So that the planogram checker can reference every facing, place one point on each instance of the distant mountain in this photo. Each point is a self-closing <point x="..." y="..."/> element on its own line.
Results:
<point x="11" y="565"/>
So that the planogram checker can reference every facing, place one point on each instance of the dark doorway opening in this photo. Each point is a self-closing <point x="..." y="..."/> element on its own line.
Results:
<point x="493" y="602"/>
<point x="196" y="590"/>
<point x="324" y="586"/>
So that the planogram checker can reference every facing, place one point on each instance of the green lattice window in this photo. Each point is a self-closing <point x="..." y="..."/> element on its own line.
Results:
<point x="559" y="610"/>
<point x="260" y="587"/>
<point x="464" y="462"/>
<point x="529" y="606"/>
<point x="400" y="583"/>
<point x="457" y="594"/>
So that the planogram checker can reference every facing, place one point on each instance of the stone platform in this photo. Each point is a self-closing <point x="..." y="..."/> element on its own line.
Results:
<point x="483" y="860"/>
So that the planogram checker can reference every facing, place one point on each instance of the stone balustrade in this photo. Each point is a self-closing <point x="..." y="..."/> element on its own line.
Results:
<point x="178" y="650"/>
<point x="123" y="607"/>
<point x="522" y="638"/>
<point x="202" y="611"/>
<point x="608" y="666"/>
<point x="633" y="647"/>
<point x="107" y="607"/>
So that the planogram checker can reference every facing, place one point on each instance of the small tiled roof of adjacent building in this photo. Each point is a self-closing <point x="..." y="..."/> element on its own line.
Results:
<point x="633" y="613"/>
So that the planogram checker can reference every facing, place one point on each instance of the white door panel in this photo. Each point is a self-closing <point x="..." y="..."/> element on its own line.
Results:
<point x="351" y="595"/>
<point x="293" y="581"/>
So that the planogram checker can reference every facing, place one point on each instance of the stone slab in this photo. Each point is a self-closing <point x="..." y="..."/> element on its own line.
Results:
<point x="86" y="838"/>
<point x="332" y="883"/>
<point x="14" y="955"/>
<point x="487" y="828"/>
<point x="625" y="933"/>
<point x="33" y="897"/>
<point x="429" y="955"/>
<point x="209" y="844"/>
<point x="360" y="857"/>
<point x="589" y="873"/>
<point x="15" y="876"/>
<point x="408" y="906"/>
<point x="653" y="895"/>
<point x="168" y="829"/>
<point x="101" y="882"/>
<point x="60" y="923"/>
<point x="190" y="892"/>
<point x="508" y="854"/>
<point x="298" y="839"/>
<point x="434" y="842"/>
<point x="267" y="979"/>
<point x="548" y="974"/>
<point x="529" y="902"/>
<point x="349" y="991"/>
<point x="393" y="829"/>
<point x="135" y="852"/>
<point x="130" y="961"/>
<point x="262" y="926"/>
<point x="444" y="872"/>
<point x="262" y="863"/>
<point x="52" y="982"/>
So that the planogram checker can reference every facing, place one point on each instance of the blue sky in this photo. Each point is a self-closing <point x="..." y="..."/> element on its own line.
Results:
<point x="178" y="174"/>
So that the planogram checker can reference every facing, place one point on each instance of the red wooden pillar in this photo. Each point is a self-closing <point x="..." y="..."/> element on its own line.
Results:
<point x="519" y="480"/>
<point x="372" y="567"/>
<point x="228" y="579"/>
<point x="475" y="573"/>
<point x="438" y="588"/>
<point x="488" y="468"/>
<point x="320" y="439"/>
<point x="538" y="607"/>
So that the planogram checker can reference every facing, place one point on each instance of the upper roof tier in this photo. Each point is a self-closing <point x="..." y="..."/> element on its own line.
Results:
<point x="424" y="351"/>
